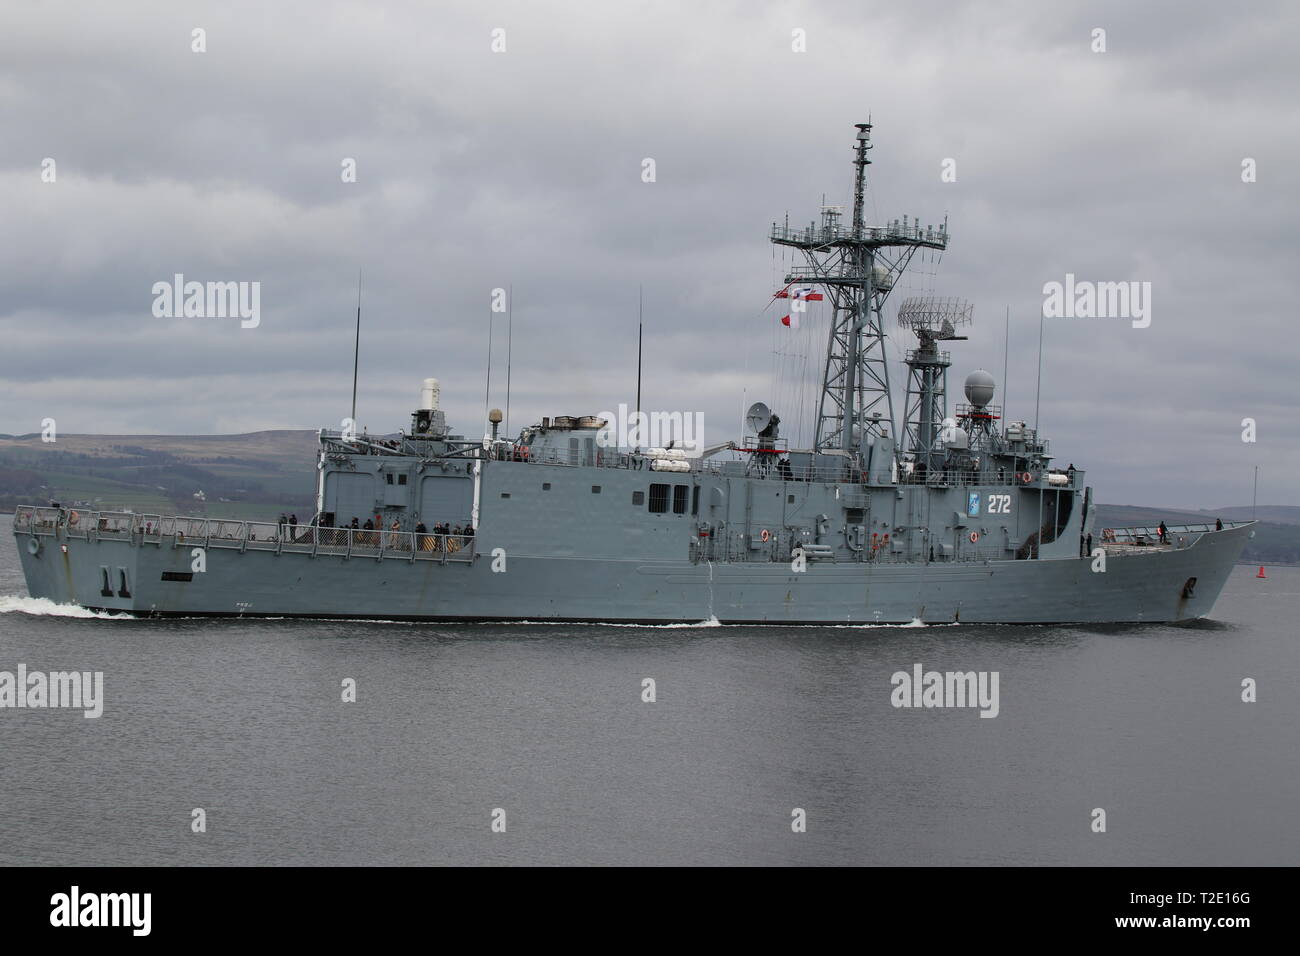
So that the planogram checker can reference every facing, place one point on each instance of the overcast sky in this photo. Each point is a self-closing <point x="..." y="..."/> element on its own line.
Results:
<point x="477" y="169"/>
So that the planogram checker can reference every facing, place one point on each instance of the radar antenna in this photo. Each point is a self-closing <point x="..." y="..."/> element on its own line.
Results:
<point x="933" y="319"/>
<point x="766" y="428"/>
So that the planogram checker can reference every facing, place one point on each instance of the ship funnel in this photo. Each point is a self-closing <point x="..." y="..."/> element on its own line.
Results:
<point x="430" y="393"/>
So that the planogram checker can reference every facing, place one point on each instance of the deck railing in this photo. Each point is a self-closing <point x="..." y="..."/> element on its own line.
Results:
<point x="1145" y="534"/>
<point x="183" y="530"/>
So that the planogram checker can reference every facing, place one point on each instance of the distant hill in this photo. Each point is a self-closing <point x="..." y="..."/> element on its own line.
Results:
<point x="1282" y="514"/>
<point x="259" y="474"/>
<point x="252" y="476"/>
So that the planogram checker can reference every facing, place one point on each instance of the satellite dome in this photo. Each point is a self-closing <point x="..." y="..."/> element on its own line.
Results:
<point x="979" y="387"/>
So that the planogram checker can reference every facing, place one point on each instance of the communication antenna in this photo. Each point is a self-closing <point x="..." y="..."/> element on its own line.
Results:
<point x="1006" y="353"/>
<point x="1038" y="389"/>
<point x="510" y="341"/>
<point x="487" y="394"/>
<point x="356" y="354"/>
<point x="758" y="417"/>
<point x="639" y="324"/>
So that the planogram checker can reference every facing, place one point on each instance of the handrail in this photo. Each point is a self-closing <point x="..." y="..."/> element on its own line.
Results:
<point x="1153" y="531"/>
<point x="245" y="535"/>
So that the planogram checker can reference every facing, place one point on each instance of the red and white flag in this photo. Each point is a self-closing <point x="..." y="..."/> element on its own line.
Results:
<point x="790" y="320"/>
<point x="807" y="294"/>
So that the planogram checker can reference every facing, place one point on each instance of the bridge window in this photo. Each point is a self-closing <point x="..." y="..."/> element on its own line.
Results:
<point x="680" y="496"/>
<point x="595" y="489"/>
<point x="401" y="479"/>
<point x="658" y="499"/>
<point x="546" y="486"/>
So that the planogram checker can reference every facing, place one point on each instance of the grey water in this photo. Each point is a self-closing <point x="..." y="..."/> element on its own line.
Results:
<point x="245" y="720"/>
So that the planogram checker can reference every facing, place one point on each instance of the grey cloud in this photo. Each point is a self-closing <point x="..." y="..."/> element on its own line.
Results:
<point x="480" y="170"/>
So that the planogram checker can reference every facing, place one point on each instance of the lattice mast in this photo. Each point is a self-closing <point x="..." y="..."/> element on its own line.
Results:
<point x="857" y="266"/>
<point x="934" y="319"/>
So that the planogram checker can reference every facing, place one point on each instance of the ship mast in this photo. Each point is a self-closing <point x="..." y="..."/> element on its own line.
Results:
<point x="857" y="266"/>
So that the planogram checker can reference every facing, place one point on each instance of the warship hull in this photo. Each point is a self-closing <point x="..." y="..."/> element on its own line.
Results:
<point x="1138" y="584"/>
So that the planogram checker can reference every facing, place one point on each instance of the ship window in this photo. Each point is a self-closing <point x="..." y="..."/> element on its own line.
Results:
<point x="505" y="494"/>
<point x="679" y="499"/>
<point x="546" y="486"/>
<point x="595" y="489"/>
<point x="658" y="499"/>
<point x="401" y="479"/>
<point x="789" y="499"/>
<point x="178" y="575"/>
<point x="638" y="498"/>
<point x="695" y="501"/>
<point x="389" y="478"/>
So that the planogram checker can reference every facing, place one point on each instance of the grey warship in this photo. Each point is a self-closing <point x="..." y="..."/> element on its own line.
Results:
<point x="944" y="516"/>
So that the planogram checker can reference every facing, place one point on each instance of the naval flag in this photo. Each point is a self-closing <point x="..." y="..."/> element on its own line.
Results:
<point x="807" y="294"/>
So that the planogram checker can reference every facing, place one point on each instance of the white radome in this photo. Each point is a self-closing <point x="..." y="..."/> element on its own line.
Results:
<point x="430" y="394"/>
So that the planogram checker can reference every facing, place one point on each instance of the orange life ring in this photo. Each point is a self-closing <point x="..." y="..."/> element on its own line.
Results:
<point x="1026" y="477"/>
<point x="974" y="536"/>
<point x="765" y="535"/>
<point x="73" y="518"/>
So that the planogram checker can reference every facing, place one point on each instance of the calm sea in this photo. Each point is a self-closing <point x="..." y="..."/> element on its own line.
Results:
<point x="245" y="720"/>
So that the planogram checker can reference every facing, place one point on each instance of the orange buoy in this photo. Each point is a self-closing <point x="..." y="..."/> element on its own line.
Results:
<point x="1261" y="572"/>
